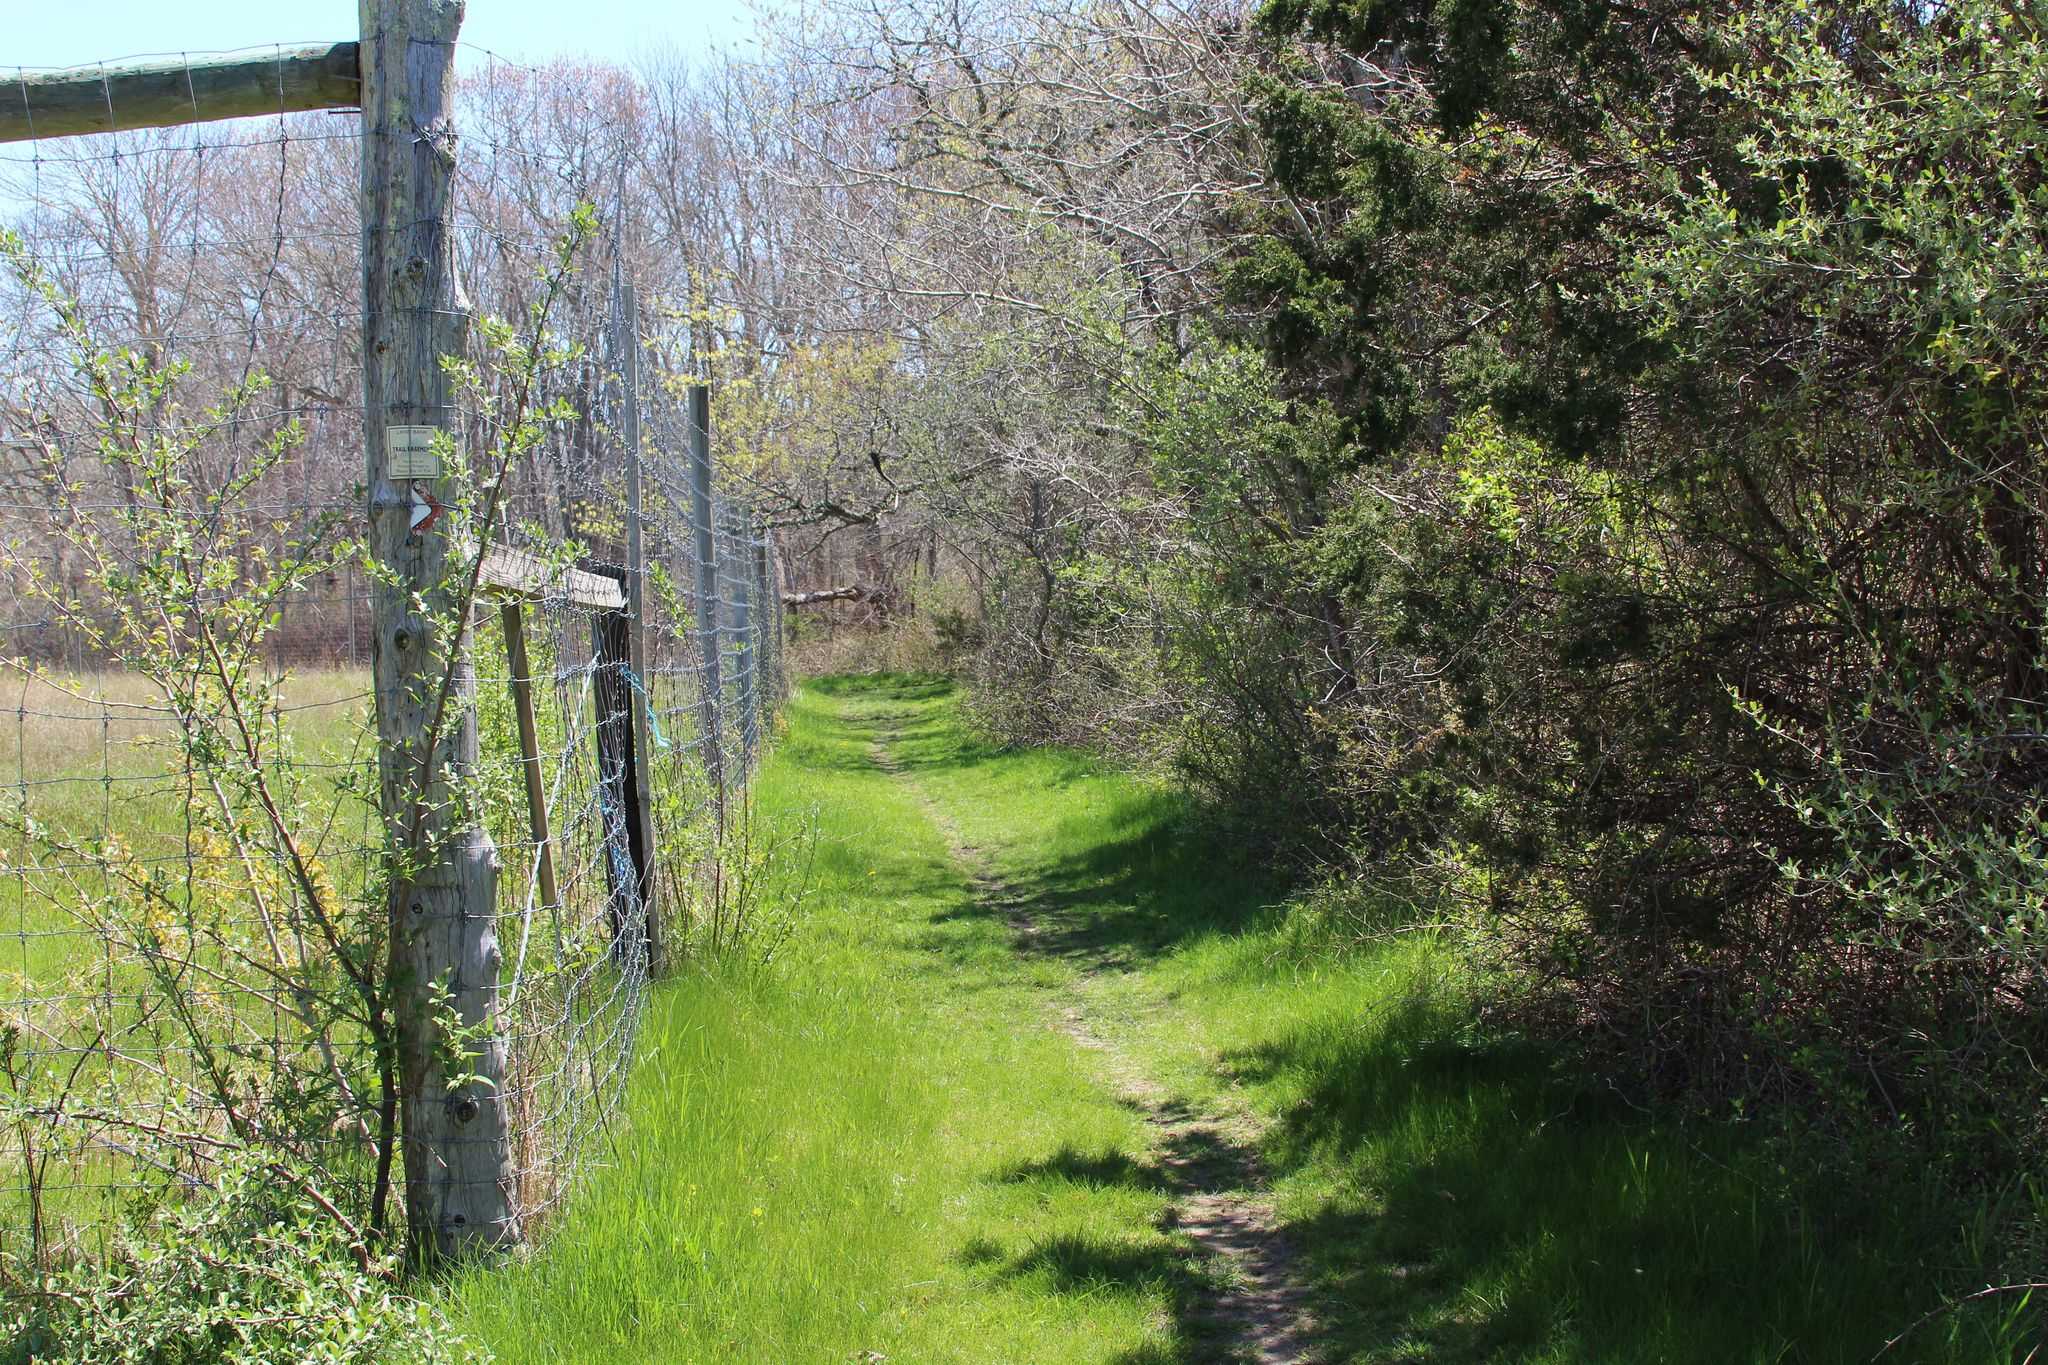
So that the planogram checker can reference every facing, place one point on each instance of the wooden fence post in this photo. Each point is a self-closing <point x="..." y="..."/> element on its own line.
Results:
<point x="770" y="628"/>
<point x="708" y="645"/>
<point x="641" y="695"/>
<point x="619" y="658"/>
<point x="749" y="664"/>
<point x="620" y="781"/>
<point x="443" y="869"/>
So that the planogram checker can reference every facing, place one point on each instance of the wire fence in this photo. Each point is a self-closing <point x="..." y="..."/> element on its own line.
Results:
<point x="192" y="945"/>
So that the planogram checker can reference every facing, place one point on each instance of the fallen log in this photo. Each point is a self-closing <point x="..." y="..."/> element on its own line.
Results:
<point x="854" y="593"/>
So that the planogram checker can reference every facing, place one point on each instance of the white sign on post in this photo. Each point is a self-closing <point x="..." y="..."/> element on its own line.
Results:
<point x="410" y="454"/>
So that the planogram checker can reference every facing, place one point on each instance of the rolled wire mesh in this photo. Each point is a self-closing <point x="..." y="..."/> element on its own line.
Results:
<point x="162" y="925"/>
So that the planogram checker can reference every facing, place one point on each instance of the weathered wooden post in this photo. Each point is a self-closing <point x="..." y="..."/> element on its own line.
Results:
<point x="701" y="515"/>
<point x="619" y="658"/>
<point x="770" y="629"/>
<point x="749" y="664"/>
<point x="647" y="859"/>
<point x="443" y="869"/>
<point x="618" y="776"/>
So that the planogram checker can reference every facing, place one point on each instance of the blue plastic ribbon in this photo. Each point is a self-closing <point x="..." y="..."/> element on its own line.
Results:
<point x="653" y="721"/>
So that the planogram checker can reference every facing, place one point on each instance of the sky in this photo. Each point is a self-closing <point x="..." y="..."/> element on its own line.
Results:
<point x="47" y="35"/>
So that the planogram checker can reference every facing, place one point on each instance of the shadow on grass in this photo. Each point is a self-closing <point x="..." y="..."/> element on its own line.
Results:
<point x="1145" y="894"/>
<point x="1456" y="1197"/>
<point x="883" y="686"/>
<point x="1090" y="1170"/>
<point x="1087" y="1266"/>
<point x="1073" y="1263"/>
<point x="1131" y="901"/>
<point x="1489" y="1209"/>
<point x="1145" y="875"/>
<point x="1195" y="1157"/>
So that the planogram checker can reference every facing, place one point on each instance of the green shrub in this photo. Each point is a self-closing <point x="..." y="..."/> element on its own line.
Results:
<point x="247" y="1269"/>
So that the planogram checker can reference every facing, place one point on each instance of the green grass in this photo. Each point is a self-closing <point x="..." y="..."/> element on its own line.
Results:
<point x="881" y="1145"/>
<point x="96" y="757"/>
<point x="96" y="763"/>
<point x="877" y="1147"/>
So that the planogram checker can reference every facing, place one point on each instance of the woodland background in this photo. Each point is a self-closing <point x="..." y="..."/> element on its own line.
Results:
<point x="1571" y="472"/>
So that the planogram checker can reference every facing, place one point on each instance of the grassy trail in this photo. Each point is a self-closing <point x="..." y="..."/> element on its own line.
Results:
<point x="1206" y="1156"/>
<point x="1048" y="1076"/>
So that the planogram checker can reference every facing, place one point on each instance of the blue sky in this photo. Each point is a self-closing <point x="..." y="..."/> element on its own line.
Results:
<point x="45" y="35"/>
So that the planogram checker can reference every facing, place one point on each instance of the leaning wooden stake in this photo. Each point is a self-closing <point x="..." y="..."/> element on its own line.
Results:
<point x="444" y="960"/>
<point x="618" y="782"/>
<point x="512" y="615"/>
<point x="515" y="578"/>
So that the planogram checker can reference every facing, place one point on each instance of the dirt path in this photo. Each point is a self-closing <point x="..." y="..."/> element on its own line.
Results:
<point x="1222" y="1199"/>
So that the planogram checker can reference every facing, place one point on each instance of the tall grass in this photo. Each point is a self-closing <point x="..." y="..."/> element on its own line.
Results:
<point x="882" y="1147"/>
<point x="95" y="759"/>
<point x="876" y="1147"/>
<point x="1461" y="1194"/>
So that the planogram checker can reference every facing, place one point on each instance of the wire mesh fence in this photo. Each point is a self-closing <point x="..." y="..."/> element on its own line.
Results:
<point x="195" y="954"/>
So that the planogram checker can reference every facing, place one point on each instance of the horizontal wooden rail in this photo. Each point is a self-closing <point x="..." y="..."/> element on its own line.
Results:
<point x="165" y="91"/>
<point x="515" y="573"/>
